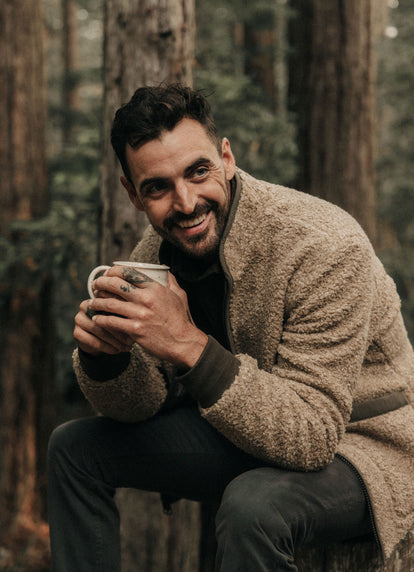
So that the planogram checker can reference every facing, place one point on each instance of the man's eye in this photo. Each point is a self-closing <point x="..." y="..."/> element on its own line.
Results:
<point x="200" y="172"/>
<point x="154" y="189"/>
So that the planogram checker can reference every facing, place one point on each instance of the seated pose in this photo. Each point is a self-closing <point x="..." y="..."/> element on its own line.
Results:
<point x="273" y="373"/>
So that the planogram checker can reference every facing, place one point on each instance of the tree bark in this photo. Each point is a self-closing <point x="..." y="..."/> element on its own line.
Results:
<point x="333" y="93"/>
<point x="146" y="42"/>
<point x="260" y="42"/>
<point x="355" y="556"/>
<point x="25" y="336"/>
<point x="263" y="37"/>
<point x="70" y="64"/>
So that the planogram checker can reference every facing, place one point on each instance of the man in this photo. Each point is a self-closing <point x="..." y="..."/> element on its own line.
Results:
<point x="272" y="374"/>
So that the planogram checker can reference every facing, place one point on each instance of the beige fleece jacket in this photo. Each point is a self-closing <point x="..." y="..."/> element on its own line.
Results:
<point x="316" y="324"/>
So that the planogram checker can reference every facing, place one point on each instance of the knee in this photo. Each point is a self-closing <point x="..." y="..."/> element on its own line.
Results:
<point x="61" y="436"/>
<point x="247" y="508"/>
<point x="66" y="443"/>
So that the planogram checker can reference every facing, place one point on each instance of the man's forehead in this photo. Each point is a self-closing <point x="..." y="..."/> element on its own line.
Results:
<point x="174" y="150"/>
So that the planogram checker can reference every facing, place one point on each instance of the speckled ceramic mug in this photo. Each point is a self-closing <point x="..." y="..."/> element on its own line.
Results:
<point x="157" y="272"/>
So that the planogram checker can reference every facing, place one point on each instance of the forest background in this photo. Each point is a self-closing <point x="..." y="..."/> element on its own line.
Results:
<point x="250" y="108"/>
<point x="245" y="61"/>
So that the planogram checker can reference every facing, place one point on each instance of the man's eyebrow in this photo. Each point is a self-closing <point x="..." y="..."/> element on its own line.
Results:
<point x="188" y="171"/>
<point x="194" y="166"/>
<point x="151" y="181"/>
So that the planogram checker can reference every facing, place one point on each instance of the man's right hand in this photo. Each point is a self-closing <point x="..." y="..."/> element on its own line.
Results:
<point x="93" y="339"/>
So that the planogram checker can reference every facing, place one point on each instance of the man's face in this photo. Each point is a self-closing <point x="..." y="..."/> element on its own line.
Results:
<point x="183" y="184"/>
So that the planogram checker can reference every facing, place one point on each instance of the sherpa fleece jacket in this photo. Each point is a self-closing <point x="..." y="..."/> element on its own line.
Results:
<point x="315" y="323"/>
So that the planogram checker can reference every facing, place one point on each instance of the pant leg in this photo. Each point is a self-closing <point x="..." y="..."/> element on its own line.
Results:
<point x="267" y="513"/>
<point x="177" y="452"/>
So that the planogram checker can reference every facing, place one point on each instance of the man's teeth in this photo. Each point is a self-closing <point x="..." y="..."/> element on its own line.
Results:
<point x="193" y="222"/>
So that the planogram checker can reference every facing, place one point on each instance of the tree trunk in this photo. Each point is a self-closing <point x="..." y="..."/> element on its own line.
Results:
<point x="263" y="37"/>
<point x="260" y="40"/>
<point x="146" y="42"/>
<point x="70" y="63"/>
<point x="356" y="556"/>
<point x="333" y="92"/>
<point x="25" y="336"/>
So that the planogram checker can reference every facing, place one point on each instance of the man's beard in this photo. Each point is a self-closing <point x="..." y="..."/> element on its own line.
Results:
<point x="189" y="245"/>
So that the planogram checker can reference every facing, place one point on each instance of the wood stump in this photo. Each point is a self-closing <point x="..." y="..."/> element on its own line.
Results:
<point x="185" y="542"/>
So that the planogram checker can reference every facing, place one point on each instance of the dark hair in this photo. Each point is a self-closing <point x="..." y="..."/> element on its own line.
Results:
<point x="152" y="110"/>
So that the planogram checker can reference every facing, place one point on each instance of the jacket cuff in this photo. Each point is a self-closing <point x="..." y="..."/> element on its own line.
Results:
<point x="213" y="373"/>
<point x="103" y="367"/>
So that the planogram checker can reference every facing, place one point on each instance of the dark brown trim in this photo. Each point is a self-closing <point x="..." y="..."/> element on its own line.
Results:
<point x="379" y="406"/>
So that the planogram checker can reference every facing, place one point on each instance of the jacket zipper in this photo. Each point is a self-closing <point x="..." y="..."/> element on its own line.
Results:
<point x="366" y="495"/>
<point x="227" y="275"/>
<point x="226" y="308"/>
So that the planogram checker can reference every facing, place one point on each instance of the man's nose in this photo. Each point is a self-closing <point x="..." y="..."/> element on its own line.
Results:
<point x="185" y="199"/>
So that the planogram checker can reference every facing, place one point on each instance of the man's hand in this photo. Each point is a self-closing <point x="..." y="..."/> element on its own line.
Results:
<point x="156" y="317"/>
<point x="95" y="340"/>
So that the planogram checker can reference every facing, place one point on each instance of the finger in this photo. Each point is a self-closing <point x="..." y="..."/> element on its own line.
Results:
<point x="83" y="306"/>
<point x="114" y="324"/>
<point x="84" y="320"/>
<point x="135" y="276"/>
<point x="114" y="287"/>
<point x="172" y="281"/>
<point x="91" y="344"/>
<point x="120" y="341"/>
<point x="115" y="306"/>
<point x="89" y="312"/>
<point x="103" y="294"/>
<point x="130" y="274"/>
<point x="173" y="285"/>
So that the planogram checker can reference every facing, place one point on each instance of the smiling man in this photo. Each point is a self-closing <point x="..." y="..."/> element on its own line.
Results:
<point x="273" y="373"/>
<point x="182" y="181"/>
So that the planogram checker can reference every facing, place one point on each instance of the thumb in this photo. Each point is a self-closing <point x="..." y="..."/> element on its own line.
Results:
<point x="173" y="285"/>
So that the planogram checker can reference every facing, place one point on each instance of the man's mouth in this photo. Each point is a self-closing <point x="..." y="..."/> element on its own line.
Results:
<point x="194" y="226"/>
<point x="192" y="222"/>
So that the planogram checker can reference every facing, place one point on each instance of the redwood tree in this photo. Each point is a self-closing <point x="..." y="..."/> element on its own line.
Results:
<point x="333" y="92"/>
<point x="146" y="42"/>
<point x="333" y="75"/>
<point x="25" y="335"/>
<point x="70" y="64"/>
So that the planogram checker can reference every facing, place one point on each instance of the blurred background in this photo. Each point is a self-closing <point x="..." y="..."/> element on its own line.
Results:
<point x="312" y="94"/>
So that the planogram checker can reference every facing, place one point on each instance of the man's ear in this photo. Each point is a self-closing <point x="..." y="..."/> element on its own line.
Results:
<point x="228" y="158"/>
<point x="132" y="193"/>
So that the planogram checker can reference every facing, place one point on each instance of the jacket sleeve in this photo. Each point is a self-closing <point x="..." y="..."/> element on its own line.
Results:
<point x="135" y="394"/>
<point x="295" y="413"/>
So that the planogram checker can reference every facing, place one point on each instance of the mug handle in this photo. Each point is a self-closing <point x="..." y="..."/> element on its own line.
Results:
<point x="92" y="277"/>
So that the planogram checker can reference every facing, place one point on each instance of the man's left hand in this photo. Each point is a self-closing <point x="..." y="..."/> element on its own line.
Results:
<point x="154" y="316"/>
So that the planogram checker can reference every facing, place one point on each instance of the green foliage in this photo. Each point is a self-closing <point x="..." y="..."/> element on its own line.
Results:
<point x="71" y="236"/>
<point x="66" y="241"/>
<point x="262" y="142"/>
<point x="262" y="139"/>
<point x="61" y="246"/>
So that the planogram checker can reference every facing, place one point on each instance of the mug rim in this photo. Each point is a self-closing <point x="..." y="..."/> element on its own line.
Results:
<point x="133" y="264"/>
